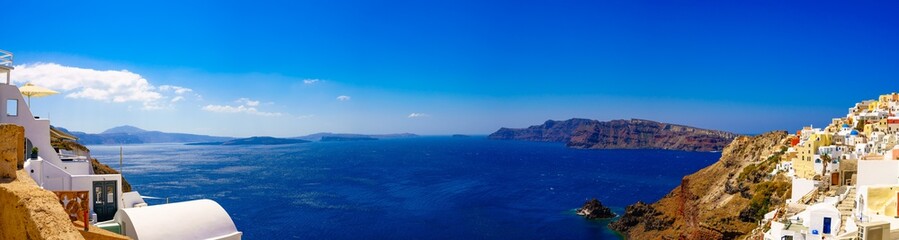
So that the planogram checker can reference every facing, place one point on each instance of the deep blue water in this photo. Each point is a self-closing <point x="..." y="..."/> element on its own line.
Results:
<point x="427" y="187"/>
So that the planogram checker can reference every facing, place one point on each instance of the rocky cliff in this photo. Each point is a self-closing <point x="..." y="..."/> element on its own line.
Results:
<point x="620" y="134"/>
<point x="722" y="201"/>
<point x="549" y="131"/>
<point x="593" y="209"/>
<point x="29" y="212"/>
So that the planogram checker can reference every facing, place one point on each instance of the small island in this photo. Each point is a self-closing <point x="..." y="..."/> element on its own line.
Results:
<point x="254" y="141"/>
<point x="336" y="137"/>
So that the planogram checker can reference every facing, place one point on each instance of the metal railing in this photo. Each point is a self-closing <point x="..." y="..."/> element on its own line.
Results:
<point x="6" y="59"/>
<point x="66" y="155"/>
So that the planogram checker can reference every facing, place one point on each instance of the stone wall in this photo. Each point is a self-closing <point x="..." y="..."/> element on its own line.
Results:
<point x="26" y="210"/>
<point x="12" y="150"/>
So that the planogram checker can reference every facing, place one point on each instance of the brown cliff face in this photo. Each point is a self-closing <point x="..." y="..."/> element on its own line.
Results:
<point x="29" y="212"/>
<point x="721" y="201"/>
<point x="620" y="134"/>
<point x="26" y="210"/>
<point x="549" y="131"/>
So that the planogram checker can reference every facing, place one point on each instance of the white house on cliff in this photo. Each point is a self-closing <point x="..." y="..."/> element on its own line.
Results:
<point x="126" y="213"/>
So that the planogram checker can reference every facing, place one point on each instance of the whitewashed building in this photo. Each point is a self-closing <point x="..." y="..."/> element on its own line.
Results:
<point x="199" y="219"/>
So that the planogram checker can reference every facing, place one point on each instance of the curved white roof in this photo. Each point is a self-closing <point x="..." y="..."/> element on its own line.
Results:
<point x="198" y="219"/>
<point x="823" y="207"/>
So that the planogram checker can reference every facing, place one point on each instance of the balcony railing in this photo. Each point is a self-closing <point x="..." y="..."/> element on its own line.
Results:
<point x="67" y="156"/>
<point x="5" y="59"/>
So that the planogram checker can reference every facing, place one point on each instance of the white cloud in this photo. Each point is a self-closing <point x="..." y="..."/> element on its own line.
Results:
<point x="311" y="81"/>
<point x="248" y="102"/>
<point x="119" y="86"/>
<point x="246" y="106"/>
<point x="418" y="115"/>
<point x="178" y="90"/>
<point x="343" y="98"/>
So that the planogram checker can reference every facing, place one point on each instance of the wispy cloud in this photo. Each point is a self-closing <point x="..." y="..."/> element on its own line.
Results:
<point x="418" y="115"/>
<point x="118" y="86"/>
<point x="180" y="93"/>
<point x="247" y="101"/>
<point x="343" y="98"/>
<point x="176" y="89"/>
<point x="311" y="81"/>
<point x="245" y="106"/>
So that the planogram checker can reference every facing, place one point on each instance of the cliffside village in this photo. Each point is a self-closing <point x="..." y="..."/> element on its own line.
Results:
<point x="845" y="177"/>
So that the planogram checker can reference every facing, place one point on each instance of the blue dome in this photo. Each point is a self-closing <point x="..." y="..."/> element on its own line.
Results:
<point x="845" y="125"/>
<point x="853" y="133"/>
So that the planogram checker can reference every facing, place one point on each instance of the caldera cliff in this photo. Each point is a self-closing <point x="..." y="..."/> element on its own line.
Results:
<point x="620" y="134"/>
<point x="722" y="201"/>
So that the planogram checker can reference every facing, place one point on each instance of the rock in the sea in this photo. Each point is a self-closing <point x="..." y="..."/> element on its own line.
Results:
<point x="593" y="209"/>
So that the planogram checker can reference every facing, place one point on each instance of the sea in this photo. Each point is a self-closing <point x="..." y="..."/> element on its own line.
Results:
<point x="408" y="188"/>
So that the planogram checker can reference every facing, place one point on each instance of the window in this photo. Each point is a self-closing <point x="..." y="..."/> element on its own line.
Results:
<point x="109" y="195"/>
<point x="97" y="199"/>
<point x="12" y="107"/>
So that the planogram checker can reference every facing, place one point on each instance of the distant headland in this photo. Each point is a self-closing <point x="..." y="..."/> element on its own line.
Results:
<point x="254" y="141"/>
<point x="327" y="137"/>
<point x="133" y="135"/>
<point x="620" y="134"/>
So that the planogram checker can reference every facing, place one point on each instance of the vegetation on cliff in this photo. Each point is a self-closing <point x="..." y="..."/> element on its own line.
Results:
<point x="722" y="201"/>
<point x="620" y="134"/>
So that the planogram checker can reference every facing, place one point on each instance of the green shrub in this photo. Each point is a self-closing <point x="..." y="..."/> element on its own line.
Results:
<point x="760" y="203"/>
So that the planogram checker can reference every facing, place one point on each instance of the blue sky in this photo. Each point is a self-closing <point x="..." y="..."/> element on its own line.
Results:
<point x="444" y="67"/>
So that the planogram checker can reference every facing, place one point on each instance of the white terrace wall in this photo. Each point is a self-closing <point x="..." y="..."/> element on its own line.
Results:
<point x="877" y="172"/>
<point x="38" y="131"/>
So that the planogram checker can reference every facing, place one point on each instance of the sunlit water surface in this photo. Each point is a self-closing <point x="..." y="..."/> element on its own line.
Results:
<point x="417" y="188"/>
